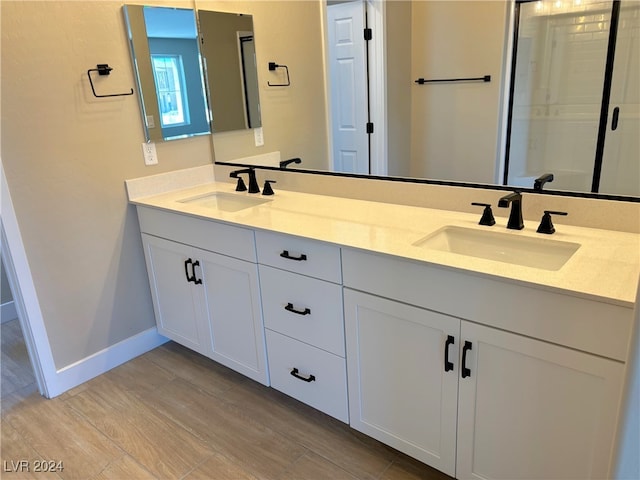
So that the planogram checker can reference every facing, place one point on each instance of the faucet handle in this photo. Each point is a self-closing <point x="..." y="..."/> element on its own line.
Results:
<point x="546" y="225"/>
<point x="241" y="186"/>
<point x="267" y="190"/>
<point x="487" y="215"/>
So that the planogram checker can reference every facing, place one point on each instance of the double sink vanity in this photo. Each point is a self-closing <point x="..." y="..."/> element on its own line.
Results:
<point x="481" y="351"/>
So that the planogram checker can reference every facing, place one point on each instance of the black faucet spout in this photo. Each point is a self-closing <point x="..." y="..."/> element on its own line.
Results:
<point x="514" y="199"/>
<point x="540" y="181"/>
<point x="284" y="163"/>
<point x="253" y="182"/>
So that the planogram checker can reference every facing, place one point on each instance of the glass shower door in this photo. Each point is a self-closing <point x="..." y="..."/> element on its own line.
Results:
<point x="621" y="158"/>
<point x="561" y="55"/>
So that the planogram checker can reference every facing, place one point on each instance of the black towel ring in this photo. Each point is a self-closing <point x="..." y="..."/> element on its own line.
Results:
<point x="104" y="69"/>
<point x="272" y="67"/>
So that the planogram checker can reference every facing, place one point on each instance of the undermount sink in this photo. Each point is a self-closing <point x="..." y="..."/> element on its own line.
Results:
<point x="227" y="202"/>
<point x="540" y="253"/>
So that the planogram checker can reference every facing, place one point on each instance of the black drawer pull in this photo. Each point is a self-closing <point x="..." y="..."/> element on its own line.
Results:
<point x="289" y="308"/>
<point x="448" y="366"/>
<point x="296" y="374"/>
<point x="188" y="262"/>
<point x="465" y="371"/>
<point x="197" y="281"/>
<point x="285" y="254"/>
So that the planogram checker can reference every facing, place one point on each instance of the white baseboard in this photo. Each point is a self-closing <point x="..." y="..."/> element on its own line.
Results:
<point x="100" y="362"/>
<point x="8" y="312"/>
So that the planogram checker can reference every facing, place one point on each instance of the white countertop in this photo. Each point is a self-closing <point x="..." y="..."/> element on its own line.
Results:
<point x="606" y="267"/>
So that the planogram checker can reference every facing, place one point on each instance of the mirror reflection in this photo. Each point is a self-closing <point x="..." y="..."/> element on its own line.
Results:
<point x="166" y="59"/>
<point x="556" y="120"/>
<point x="228" y="48"/>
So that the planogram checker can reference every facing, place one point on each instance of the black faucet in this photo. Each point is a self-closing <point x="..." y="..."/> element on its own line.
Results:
<point x="284" y="163"/>
<point x="515" y="217"/>
<point x="540" y="181"/>
<point x="253" y="182"/>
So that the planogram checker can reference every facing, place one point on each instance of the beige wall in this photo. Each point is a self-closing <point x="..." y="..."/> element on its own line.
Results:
<point x="220" y="49"/>
<point x="66" y="155"/>
<point x="454" y="127"/>
<point x="399" y="48"/>
<point x="294" y="119"/>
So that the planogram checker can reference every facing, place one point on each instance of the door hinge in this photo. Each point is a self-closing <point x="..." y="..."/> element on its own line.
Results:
<point x="368" y="34"/>
<point x="369" y="127"/>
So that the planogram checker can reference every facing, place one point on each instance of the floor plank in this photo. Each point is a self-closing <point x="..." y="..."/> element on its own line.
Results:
<point x="157" y="443"/>
<point x="330" y="438"/>
<point x="172" y="413"/>
<point x="228" y="429"/>
<point x="59" y="434"/>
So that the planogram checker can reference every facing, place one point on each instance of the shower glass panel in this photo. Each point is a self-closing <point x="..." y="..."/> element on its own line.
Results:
<point x="621" y="159"/>
<point x="561" y="54"/>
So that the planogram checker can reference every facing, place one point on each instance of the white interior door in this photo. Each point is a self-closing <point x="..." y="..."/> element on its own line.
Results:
<point x="349" y="87"/>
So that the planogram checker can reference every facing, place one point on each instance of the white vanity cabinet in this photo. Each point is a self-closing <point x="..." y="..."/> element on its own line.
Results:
<point x="507" y="405"/>
<point x="399" y="391"/>
<point x="301" y="289"/>
<point x="205" y="290"/>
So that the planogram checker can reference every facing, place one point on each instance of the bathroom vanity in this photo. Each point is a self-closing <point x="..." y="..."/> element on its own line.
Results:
<point x="481" y="366"/>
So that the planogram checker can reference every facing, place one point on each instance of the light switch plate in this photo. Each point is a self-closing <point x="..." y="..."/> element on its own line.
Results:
<point x="259" y="137"/>
<point x="149" y="151"/>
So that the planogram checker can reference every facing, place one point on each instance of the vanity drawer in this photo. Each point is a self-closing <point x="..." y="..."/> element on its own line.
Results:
<point x="313" y="312"/>
<point x="205" y="234"/>
<point x="299" y="255"/>
<point x="326" y="390"/>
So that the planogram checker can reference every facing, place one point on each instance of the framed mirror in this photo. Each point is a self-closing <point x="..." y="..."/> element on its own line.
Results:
<point x="505" y="131"/>
<point x="166" y="59"/>
<point x="193" y="81"/>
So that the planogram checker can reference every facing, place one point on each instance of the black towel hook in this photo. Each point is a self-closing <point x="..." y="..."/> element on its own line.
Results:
<point x="272" y="67"/>
<point x="104" y="69"/>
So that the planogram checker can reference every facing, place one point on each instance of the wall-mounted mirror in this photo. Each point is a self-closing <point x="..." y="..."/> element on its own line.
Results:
<point x="166" y="59"/>
<point x="472" y="130"/>
<point x="178" y="67"/>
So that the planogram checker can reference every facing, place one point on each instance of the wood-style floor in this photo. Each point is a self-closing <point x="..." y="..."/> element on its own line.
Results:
<point x="172" y="413"/>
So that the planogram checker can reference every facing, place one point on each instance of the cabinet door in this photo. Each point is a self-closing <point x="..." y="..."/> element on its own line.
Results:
<point x="529" y="409"/>
<point x="399" y="391"/>
<point x="178" y="309"/>
<point x="231" y="299"/>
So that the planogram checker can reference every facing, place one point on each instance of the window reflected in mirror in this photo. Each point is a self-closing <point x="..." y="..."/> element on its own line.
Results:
<point x="167" y="62"/>
<point x="169" y="76"/>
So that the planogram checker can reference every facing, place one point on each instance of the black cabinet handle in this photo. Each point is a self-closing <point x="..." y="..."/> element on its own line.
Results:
<point x="197" y="281"/>
<point x="285" y="254"/>
<point x="188" y="262"/>
<point x="465" y="371"/>
<point x="289" y="308"/>
<point x="614" y="119"/>
<point x="448" y="366"/>
<point x="296" y="374"/>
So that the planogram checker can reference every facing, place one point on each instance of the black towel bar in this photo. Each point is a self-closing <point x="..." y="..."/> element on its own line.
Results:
<point x="486" y="78"/>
